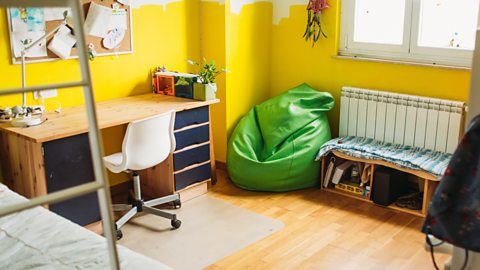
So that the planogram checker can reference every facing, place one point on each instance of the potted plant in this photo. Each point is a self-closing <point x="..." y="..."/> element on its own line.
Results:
<point x="206" y="87"/>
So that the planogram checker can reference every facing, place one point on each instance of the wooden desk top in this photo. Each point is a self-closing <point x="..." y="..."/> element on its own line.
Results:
<point x="115" y="112"/>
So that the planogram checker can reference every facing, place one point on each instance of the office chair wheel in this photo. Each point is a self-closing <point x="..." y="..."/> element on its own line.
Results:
<point x="119" y="234"/>
<point x="176" y="223"/>
<point x="177" y="204"/>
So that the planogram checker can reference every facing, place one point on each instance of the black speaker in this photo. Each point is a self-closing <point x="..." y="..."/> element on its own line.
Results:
<point x="388" y="185"/>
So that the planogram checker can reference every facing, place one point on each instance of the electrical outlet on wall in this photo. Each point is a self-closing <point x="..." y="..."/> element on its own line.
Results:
<point x="51" y="93"/>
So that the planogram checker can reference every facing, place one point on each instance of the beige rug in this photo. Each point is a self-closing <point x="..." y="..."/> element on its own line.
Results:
<point x="211" y="230"/>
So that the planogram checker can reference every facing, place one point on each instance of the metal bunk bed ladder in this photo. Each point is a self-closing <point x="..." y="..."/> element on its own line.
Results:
<point x="100" y="184"/>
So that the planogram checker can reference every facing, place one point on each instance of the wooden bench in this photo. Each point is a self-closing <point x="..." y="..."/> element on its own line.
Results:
<point x="387" y="117"/>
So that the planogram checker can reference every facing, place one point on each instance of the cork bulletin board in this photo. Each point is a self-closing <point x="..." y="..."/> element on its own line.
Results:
<point x="125" y="46"/>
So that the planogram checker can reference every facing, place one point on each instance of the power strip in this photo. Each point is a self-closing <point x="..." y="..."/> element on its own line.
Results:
<point x="51" y="93"/>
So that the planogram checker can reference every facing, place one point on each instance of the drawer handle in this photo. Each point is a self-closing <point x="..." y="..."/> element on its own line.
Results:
<point x="192" y="166"/>
<point x="195" y="125"/>
<point x="191" y="147"/>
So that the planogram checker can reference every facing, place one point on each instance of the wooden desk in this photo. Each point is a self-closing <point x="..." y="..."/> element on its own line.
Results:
<point x="56" y="154"/>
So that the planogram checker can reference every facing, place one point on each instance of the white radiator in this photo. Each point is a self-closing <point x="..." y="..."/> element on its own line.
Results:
<point x="402" y="119"/>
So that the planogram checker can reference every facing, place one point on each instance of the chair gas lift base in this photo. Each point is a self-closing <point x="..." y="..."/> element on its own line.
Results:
<point x="137" y="205"/>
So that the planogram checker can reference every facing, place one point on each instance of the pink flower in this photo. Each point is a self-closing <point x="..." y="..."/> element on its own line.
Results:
<point x="317" y="5"/>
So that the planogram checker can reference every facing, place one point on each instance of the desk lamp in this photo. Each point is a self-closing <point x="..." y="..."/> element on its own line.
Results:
<point x="33" y="121"/>
<point x="28" y="47"/>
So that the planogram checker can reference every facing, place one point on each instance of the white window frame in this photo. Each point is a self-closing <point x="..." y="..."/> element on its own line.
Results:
<point x="409" y="51"/>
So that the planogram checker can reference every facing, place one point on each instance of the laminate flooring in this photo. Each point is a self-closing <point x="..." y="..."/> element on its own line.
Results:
<point x="326" y="231"/>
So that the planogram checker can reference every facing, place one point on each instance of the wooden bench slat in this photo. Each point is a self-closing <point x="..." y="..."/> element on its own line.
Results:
<point x="419" y="173"/>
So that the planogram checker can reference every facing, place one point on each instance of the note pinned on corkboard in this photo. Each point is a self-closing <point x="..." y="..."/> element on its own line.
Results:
<point x="108" y="26"/>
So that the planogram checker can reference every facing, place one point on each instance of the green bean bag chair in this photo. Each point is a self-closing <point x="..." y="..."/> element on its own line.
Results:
<point x="273" y="147"/>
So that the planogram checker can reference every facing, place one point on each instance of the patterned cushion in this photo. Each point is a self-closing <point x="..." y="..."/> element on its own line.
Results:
<point x="411" y="157"/>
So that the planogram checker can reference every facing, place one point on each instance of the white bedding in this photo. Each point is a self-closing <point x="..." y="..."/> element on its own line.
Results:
<point x="40" y="239"/>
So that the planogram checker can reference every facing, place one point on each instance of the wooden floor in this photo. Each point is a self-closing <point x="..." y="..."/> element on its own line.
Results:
<point x="326" y="231"/>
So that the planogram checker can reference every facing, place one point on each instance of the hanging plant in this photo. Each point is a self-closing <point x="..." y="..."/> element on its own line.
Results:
<point x="314" y="27"/>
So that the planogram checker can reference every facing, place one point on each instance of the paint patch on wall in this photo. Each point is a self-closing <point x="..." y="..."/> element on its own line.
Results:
<point x="139" y="3"/>
<point x="222" y="2"/>
<point x="237" y="5"/>
<point x="281" y="9"/>
<point x="164" y="3"/>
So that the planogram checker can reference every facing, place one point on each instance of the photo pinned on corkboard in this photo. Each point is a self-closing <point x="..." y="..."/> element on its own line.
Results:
<point x="108" y="30"/>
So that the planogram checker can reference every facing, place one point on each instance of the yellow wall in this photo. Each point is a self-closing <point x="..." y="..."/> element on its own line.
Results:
<point x="212" y="46"/>
<point x="161" y="37"/>
<point x="295" y="61"/>
<point x="241" y="43"/>
<point x="248" y="44"/>
<point x="264" y="59"/>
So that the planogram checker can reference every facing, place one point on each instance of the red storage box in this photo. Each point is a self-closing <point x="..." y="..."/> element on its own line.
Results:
<point x="164" y="85"/>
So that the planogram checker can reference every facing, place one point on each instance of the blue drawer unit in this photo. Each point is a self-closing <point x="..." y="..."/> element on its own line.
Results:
<point x="193" y="156"/>
<point x="193" y="147"/>
<point x="192" y="136"/>
<point x="191" y="117"/>
<point x="197" y="174"/>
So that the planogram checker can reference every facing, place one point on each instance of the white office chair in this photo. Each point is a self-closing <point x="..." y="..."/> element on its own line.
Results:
<point x="147" y="142"/>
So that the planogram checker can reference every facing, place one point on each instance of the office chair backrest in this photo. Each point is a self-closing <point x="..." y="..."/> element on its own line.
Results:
<point x="149" y="141"/>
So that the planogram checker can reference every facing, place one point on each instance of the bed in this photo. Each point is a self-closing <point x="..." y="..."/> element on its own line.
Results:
<point x="39" y="239"/>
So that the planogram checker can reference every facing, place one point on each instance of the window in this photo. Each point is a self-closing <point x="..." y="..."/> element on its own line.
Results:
<point x="426" y="31"/>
